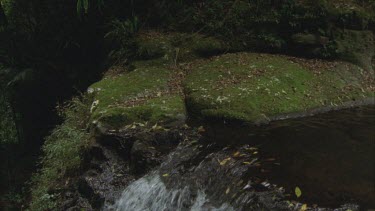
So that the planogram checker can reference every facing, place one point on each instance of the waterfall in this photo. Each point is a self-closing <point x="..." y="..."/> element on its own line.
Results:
<point x="149" y="193"/>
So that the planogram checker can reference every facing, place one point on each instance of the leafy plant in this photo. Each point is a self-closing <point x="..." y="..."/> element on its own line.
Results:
<point x="62" y="153"/>
<point x="122" y="36"/>
<point x="83" y="6"/>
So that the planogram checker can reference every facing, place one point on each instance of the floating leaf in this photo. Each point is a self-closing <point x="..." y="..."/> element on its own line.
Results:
<point x="298" y="192"/>
<point x="165" y="175"/>
<point x="304" y="207"/>
<point x="201" y="129"/>
<point x="270" y="159"/>
<point x="251" y="162"/>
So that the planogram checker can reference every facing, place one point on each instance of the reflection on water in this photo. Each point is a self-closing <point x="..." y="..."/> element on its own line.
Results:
<point x="331" y="156"/>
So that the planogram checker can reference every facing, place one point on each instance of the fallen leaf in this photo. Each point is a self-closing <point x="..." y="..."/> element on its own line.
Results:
<point x="304" y="207"/>
<point x="236" y="154"/>
<point x="298" y="192"/>
<point x="227" y="191"/>
<point x="248" y="186"/>
<point x="223" y="162"/>
<point x="165" y="175"/>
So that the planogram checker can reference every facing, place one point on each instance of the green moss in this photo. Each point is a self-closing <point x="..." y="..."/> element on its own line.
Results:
<point x="142" y="82"/>
<point x="143" y="95"/>
<point x="253" y="87"/>
<point x="159" y="110"/>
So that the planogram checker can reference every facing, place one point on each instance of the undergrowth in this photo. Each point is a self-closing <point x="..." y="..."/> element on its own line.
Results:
<point x="62" y="153"/>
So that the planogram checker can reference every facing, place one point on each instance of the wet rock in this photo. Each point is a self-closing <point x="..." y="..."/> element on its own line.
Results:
<point x="309" y="39"/>
<point x="309" y="44"/>
<point x="85" y="187"/>
<point x="143" y="157"/>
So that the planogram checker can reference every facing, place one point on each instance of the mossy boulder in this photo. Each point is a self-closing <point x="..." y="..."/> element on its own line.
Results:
<point x="254" y="88"/>
<point x="146" y="94"/>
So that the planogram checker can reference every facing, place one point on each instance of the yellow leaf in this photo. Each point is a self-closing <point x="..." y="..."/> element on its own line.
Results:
<point x="304" y="207"/>
<point x="165" y="175"/>
<point x="223" y="162"/>
<point x="227" y="191"/>
<point x="236" y="154"/>
<point x="246" y="163"/>
<point x="298" y="192"/>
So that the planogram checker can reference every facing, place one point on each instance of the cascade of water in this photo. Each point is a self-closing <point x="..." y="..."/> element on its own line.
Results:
<point x="150" y="193"/>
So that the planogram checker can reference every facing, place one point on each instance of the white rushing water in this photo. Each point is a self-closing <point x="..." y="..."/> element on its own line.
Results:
<point x="150" y="194"/>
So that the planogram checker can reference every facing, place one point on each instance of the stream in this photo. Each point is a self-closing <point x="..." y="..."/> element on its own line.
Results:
<point x="330" y="157"/>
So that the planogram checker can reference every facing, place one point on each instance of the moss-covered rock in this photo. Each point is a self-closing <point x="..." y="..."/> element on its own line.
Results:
<point x="257" y="87"/>
<point x="147" y="94"/>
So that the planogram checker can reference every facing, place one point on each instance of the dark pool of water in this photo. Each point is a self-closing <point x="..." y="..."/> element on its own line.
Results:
<point x="330" y="157"/>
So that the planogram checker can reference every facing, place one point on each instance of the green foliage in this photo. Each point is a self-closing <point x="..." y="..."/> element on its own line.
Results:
<point x="8" y="129"/>
<point x="84" y="5"/>
<point x="122" y="36"/>
<point x="62" y="154"/>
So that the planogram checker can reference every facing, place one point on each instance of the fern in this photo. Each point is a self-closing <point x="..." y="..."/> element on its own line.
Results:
<point x="84" y="5"/>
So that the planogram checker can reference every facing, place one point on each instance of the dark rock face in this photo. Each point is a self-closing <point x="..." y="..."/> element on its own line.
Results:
<point x="355" y="46"/>
<point x="144" y="156"/>
<point x="114" y="160"/>
<point x="349" y="45"/>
